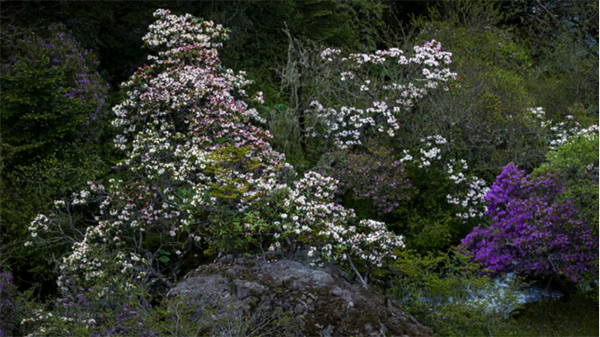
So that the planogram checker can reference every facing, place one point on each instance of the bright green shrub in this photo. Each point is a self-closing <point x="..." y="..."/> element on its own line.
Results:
<point x="576" y="164"/>
<point x="483" y="115"/>
<point x="447" y="293"/>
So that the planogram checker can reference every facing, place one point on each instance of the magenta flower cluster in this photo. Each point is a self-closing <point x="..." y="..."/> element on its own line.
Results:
<point x="532" y="232"/>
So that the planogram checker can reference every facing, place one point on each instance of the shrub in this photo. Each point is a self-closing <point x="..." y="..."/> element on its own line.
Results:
<point x="52" y="93"/>
<point x="533" y="231"/>
<point x="447" y="292"/>
<point x="576" y="164"/>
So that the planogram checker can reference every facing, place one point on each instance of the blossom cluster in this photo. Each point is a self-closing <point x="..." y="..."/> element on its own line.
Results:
<point x="561" y="132"/>
<point x="381" y="86"/>
<point x="469" y="190"/>
<point x="532" y="231"/>
<point x="472" y="201"/>
<point x="332" y="231"/>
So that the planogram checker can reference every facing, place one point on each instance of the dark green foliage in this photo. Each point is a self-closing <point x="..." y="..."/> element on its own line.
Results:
<point x="563" y="39"/>
<point x="113" y="30"/>
<point x="566" y="78"/>
<point x="53" y="112"/>
<point x="483" y="116"/>
<point x="28" y="190"/>
<point x="425" y="218"/>
<point x="51" y="93"/>
<point x="577" y="316"/>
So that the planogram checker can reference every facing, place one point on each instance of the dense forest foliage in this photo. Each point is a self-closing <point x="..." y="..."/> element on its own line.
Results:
<point x="427" y="148"/>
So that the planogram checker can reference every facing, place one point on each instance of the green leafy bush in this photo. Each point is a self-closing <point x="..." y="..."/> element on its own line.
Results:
<point x="576" y="163"/>
<point x="447" y="293"/>
<point x="484" y="112"/>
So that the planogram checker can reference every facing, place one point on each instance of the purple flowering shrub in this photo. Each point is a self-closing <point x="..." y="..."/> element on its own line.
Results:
<point x="7" y="307"/>
<point x="373" y="174"/>
<point x="53" y="112"/>
<point x="533" y="231"/>
<point x="51" y="90"/>
<point x="104" y="309"/>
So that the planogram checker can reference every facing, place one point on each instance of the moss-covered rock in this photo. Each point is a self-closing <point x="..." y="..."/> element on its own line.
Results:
<point x="325" y="299"/>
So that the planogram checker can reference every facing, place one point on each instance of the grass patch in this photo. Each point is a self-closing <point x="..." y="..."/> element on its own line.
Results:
<point x="576" y="317"/>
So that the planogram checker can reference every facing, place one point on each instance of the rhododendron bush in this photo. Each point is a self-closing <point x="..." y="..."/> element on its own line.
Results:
<point x="199" y="172"/>
<point x="532" y="230"/>
<point x="50" y="82"/>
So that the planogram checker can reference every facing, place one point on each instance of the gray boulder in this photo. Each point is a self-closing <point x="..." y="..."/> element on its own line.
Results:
<point x="323" y="301"/>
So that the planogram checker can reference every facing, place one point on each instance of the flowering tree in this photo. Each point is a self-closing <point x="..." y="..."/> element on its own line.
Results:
<point x="364" y="110"/>
<point x="199" y="170"/>
<point x="379" y="88"/>
<point x="532" y="231"/>
<point x="190" y="148"/>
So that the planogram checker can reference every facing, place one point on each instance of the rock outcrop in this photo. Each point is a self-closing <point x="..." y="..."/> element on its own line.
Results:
<point x="324" y="300"/>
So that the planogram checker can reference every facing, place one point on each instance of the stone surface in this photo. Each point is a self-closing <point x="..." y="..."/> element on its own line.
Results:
<point x="325" y="299"/>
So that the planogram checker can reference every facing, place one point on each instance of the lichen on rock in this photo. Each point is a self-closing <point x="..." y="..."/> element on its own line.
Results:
<point x="325" y="301"/>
